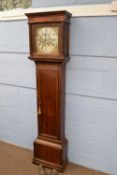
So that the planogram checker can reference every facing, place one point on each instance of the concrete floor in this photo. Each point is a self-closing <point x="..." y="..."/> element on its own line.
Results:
<point x="18" y="161"/>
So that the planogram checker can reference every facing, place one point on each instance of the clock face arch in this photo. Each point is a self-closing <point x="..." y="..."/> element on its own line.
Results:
<point x="46" y="40"/>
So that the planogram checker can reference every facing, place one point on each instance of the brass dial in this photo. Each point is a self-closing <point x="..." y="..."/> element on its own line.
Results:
<point x="47" y="40"/>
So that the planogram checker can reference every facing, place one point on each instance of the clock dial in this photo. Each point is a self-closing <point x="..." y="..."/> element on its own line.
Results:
<point x="47" y="40"/>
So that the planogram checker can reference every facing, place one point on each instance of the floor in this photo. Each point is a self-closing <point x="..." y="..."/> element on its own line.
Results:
<point x="18" y="161"/>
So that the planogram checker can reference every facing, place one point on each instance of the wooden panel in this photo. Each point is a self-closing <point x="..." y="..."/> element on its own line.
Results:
<point x="48" y="99"/>
<point x="54" y="153"/>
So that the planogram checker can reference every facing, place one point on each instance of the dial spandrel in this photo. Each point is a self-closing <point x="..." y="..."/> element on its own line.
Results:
<point x="46" y="39"/>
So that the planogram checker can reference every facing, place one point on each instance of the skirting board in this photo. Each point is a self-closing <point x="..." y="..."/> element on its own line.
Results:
<point x="76" y="10"/>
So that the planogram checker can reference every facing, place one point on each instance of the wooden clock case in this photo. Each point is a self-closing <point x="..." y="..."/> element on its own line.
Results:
<point x="50" y="146"/>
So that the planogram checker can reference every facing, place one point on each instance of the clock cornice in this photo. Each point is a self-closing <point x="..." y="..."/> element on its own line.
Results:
<point x="53" y="16"/>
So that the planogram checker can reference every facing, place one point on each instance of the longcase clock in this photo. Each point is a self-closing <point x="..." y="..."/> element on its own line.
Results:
<point x="49" y="49"/>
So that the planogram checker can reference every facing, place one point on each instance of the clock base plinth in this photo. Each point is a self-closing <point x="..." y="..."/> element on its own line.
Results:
<point x="51" y="155"/>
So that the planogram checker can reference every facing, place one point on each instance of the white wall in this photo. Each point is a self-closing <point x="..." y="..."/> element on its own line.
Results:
<point x="91" y="91"/>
